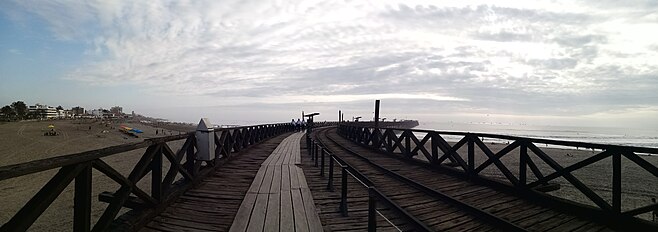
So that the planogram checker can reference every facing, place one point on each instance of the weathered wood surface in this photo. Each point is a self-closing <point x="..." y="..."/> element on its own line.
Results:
<point x="283" y="201"/>
<point x="435" y="213"/>
<point x="213" y="205"/>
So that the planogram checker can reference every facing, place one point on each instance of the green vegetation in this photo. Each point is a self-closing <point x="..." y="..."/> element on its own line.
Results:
<point x="16" y="111"/>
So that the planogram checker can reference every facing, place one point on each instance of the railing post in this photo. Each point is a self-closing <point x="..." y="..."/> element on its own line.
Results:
<point x="435" y="148"/>
<point x="389" y="140"/>
<point x="189" y="164"/>
<point x="312" y="150"/>
<point x="407" y="143"/>
<point x="523" y="164"/>
<point x="330" y="183"/>
<point x="343" y="191"/>
<point x="316" y="155"/>
<point x="372" y="207"/>
<point x="471" y="156"/>
<point x="308" y="144"/>
<point x="82" y="200"/>
<point x="322" y="162"/>
<point x="616" y="182"/>
<point x="156" y="174"/>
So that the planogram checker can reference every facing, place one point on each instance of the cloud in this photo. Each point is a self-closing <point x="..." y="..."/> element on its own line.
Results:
<point x="513" y="58"/>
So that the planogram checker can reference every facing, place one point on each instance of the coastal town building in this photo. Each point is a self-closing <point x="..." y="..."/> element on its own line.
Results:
<point x="117" y="110"/>
<point x="77" y="111"/>
<point x="40" y="111"/>
<point x="103" y="113"/>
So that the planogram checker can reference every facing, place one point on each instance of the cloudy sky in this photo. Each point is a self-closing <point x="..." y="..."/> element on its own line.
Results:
<point x="537" y="62"/>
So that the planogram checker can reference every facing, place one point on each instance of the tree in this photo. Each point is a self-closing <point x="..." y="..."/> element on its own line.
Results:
<point x="20" y="109"/>
<point x="7" y="111"/>
<point x="59" y="108"/>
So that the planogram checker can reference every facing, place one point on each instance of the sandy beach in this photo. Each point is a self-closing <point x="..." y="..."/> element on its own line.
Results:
<point x="25" y="141"/>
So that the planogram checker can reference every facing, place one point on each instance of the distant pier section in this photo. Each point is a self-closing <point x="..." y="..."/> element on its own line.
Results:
<point x="398" y="124"/>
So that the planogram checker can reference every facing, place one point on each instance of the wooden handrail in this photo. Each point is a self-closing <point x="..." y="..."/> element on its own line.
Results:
<point x="79" y="167"/>
<point x="401" y="141"/>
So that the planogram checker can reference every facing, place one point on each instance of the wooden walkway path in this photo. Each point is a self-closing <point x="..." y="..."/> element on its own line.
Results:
<point x="212" y="205"/>
<point x="434" y="212"/>
<point x="273" y="187"/>
<point x="279" y="198"/>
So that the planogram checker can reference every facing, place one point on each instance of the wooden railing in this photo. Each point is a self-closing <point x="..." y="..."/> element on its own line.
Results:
<point x="437" y="152"/>
<point x="78" y="167"/>
<point x="317" y="151"/>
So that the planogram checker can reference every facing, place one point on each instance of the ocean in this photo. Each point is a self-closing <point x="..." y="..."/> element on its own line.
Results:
<point x="605" y="135"/>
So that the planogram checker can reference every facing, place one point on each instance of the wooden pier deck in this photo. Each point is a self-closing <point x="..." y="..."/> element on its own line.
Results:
<point x="284" y="189"/>
<point x="279" y="198"/>
<point x="213" y="205"/>
<point x="436" y="213"/>
<point x="269" y="178"/>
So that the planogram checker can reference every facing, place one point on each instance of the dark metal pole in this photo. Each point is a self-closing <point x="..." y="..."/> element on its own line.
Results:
<point x="375" y="133"/>
<point x="312" y="150"/>
<point x="372" y="207"/>
<point x="330" y="183"/>
<point x="376" y="114"/>
<point x="343" y="191"/>
<point x="339" y="116"/>
<point x="316" y="154"/>
<point x="308" y="144"/>
<point x="322" y="163"/>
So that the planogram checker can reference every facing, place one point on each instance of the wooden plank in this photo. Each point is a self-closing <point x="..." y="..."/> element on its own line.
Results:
<point x="299" y="212"/>
<point x="294" y="179"/>
<point x="284" y="151"/>
<point x="255" y="185"/>
<point x="285" y="178"/>
<point x="296" y="158"/>
<point x="311" y="213"/>
<point x="287" y="221"/>
<point x="82" y="200"/>
<point x="272" y="218"/>
<point x="267" y="180"/>
<point x="244" y="213"/>
<point x="302" y="178"/>
<point x="276" y="180"/>
<point x="257" y="219"/>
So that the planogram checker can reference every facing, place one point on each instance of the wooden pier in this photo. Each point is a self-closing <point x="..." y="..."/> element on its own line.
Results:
<point x="347" y="177"/>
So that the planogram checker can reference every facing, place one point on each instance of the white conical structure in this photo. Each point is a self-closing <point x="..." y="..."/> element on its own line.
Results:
<point x="205" y="140"/>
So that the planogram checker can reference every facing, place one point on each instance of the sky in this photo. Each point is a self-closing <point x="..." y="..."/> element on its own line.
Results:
<point x="582" y="63"/>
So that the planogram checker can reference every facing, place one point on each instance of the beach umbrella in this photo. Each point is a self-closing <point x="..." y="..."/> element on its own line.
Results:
<point x="51" y="126"/>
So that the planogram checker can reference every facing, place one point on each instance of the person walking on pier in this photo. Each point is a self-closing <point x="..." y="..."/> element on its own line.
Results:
<point x="294" y="124"/>
<point x="298" y="125"/>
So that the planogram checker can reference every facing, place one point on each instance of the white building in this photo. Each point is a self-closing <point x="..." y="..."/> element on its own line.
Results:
<point x="42" y="111"/>
<point x="64" y="113"/>
<point x="97" y="113"/>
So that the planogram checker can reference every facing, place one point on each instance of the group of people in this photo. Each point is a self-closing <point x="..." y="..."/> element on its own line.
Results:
<point x="299" y="125"/>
